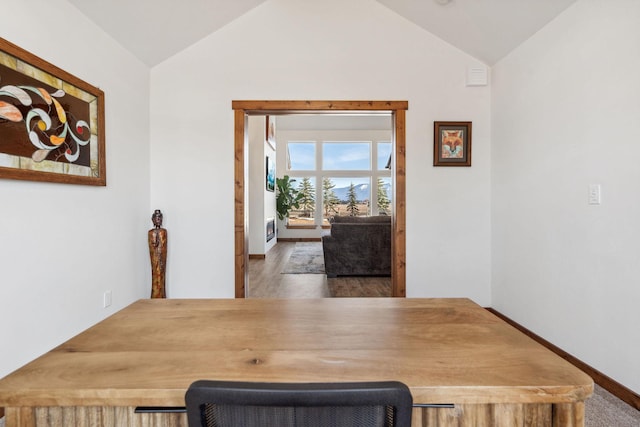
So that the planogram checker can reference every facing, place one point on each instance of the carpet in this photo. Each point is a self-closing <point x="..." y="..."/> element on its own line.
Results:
<point x="306" y="258"/>
<point x="605" y="410"/>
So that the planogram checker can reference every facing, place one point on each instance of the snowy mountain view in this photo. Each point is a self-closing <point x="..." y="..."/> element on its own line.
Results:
<point x="362" y="192"/>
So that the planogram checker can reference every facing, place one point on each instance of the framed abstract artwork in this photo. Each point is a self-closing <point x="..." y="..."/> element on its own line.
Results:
<point x="271" y="174"/>
<point x="451" y="143"/>
<point x="51" y="123"/>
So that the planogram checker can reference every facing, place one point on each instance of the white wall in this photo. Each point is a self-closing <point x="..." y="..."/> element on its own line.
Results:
<point x="565" y="115"/>
<point x="335" y="49"/>
<point x="62" y="246"/>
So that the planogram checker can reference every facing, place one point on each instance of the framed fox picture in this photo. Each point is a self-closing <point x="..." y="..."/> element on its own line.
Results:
<point x="451" y="143"/>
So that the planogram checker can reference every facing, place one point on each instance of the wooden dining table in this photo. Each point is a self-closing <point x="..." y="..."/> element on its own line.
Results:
<point x="463" y="365"/>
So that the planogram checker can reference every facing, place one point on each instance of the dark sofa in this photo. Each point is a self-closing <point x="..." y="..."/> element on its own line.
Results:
<point x="358" y="246"/>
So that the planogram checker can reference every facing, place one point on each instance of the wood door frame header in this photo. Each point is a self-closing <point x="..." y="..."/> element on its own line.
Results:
<point x="397" y="109"/>
<point x="265" y="107"/>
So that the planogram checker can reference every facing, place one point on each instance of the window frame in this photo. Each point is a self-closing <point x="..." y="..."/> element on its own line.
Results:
<point x="319" y="174"/>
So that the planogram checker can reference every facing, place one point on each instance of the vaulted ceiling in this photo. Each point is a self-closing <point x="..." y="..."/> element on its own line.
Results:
<point x="154" y="30"/>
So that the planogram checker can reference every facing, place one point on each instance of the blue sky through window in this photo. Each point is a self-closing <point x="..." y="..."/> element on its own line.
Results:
<point x="302" y="155"/>
<point x="337" y="155"/>
<point x="384" y="150"/>
<point x="346" y="156"/>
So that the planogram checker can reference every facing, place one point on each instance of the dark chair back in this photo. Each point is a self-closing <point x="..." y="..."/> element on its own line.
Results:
<point x="249" y="404"/>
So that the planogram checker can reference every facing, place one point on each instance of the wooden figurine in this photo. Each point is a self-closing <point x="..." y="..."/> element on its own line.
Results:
<point x="158" y="252"/>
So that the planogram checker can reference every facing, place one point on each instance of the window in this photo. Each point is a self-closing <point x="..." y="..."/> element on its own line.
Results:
<point x="347" y="196"/>
<point x="339" y="178"/>
<point x="383" y="195"/>
<point x="346" y="156"/>
<point x="305" y="214"/>
<point x="384" y="155"/>
<point x="301" y="156"/>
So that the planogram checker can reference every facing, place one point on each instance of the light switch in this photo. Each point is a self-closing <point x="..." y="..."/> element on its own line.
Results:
<point x="106" y="299"/>
<point x="594" y="194"/>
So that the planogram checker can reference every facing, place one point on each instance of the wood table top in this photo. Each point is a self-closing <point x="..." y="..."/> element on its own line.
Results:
<point x="445" y="350"/>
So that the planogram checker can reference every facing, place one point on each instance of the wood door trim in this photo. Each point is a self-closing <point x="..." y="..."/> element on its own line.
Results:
<point x="244" y="108"/>
<point x="264" y="107"/>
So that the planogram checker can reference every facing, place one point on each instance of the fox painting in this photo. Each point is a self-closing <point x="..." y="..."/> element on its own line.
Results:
<point x="452" y="145"/>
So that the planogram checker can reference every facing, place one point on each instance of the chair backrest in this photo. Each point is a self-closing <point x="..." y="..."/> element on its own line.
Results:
<point x="250" y="404"/>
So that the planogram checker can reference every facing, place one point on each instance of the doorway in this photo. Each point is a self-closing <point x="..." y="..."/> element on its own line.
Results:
<point x="397" y="109"/>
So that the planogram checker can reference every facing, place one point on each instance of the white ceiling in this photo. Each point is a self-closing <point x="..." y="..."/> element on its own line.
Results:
<point x="486" y="29"/>
<point x="154" y="30"/>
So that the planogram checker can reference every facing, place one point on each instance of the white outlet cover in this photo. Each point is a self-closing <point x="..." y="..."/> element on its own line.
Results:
<point x="107" y="299"/>
<point x="595" y="194"/>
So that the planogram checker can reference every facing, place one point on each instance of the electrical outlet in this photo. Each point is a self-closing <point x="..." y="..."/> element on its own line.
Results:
<point x="594" y="194"/>
<point x="106" y="301"/>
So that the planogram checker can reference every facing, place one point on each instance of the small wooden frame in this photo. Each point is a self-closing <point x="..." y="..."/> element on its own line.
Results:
<point x="270" y="131"/>
<point x="51" y="123"/>
<point x="451" y="143"/>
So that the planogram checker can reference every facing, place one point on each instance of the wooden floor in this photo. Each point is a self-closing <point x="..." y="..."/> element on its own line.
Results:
<point x="267" y="281"/>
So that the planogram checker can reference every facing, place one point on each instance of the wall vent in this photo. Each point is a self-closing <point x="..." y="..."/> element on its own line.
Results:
<point x="477" y="76"/>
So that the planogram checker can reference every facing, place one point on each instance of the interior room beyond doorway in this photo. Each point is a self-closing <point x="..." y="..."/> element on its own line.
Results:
<point x="330" y="159"/>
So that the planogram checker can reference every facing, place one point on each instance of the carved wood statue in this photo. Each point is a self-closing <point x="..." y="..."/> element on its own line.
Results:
<point x="157" y="237"/>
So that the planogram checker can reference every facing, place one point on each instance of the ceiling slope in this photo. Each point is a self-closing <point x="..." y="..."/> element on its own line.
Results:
<point x="154" y="30"/>
<point x="485" y="29"/>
